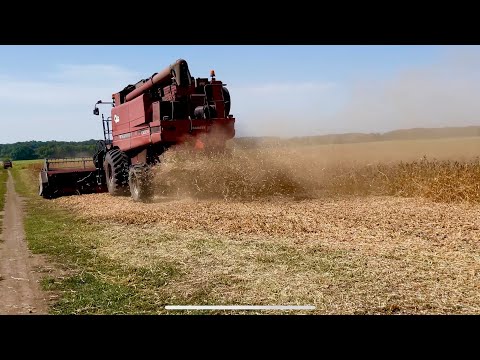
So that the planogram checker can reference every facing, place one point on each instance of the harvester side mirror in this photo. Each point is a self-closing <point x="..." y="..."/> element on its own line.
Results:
<point x="96" y="111"/>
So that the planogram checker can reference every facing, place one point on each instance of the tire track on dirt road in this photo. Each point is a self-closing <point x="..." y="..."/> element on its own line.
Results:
<point x="19" y="281"/>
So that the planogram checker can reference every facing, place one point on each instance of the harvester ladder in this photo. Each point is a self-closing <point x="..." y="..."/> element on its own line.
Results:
<point x="107" y="129"/>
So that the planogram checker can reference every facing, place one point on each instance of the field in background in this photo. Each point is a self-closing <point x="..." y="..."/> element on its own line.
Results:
<point x="351" y="229"/>
<point x="454" y="148"/>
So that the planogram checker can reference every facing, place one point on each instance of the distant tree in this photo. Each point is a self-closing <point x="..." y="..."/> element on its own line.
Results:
<point x="44" y="151"/>
<point x="23" y="152"/>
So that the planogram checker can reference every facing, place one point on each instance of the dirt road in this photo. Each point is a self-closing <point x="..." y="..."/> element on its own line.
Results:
<point x="19" y="278"/>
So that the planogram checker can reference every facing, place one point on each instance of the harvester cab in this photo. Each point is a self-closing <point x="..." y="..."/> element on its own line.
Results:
<point x="169" y="108"/>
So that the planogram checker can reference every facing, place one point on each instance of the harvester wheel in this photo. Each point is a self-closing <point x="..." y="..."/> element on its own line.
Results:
<point x="140" y="180"/>
<point x="44" y="192"/>
<point x="116" y="172"/>
<point x="43" y="189"/>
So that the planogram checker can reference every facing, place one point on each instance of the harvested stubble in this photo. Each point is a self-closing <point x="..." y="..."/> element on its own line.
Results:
<point x="356" y="254"/>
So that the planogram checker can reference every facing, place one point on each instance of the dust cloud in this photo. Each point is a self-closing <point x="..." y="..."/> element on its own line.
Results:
<point x="443" y="93"/>
<point x="301" y="172"/>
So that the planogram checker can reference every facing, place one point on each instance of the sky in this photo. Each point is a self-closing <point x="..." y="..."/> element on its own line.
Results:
<point x="48" y="92"/>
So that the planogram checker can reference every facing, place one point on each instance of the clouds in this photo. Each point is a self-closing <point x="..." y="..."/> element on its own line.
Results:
<point x="58" y="105"/>
<point x="69" y="85"/>
<point x="93" y="72"/>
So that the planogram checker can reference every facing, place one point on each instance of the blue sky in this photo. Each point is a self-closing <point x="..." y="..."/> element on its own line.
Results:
<point x="48" y="92"/>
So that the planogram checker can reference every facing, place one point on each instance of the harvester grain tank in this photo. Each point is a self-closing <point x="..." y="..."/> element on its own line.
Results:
<point x="147" y="118"/>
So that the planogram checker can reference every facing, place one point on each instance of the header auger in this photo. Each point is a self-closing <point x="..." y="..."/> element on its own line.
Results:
<point x="168" y="108"/>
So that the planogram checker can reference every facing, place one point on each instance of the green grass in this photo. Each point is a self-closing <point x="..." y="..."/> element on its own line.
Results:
<point x="3" y="186"/>
<point x="90" y="284"/>
<point x="24" y="164"/>
<point x="3" y="190"/>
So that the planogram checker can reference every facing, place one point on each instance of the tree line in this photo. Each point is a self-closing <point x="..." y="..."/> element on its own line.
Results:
<point x="30" y="150"/>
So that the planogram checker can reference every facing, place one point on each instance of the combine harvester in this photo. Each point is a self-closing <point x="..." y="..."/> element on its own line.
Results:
<point x="169" y="108"/>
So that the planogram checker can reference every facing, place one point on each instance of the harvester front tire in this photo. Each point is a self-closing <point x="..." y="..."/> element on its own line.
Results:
<point x="116" y="172"/>
<point x="44" y="192"/>
<point x="140" y="181"/>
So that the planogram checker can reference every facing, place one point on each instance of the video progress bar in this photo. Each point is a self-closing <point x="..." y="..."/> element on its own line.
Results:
<point x="239" y="307"/>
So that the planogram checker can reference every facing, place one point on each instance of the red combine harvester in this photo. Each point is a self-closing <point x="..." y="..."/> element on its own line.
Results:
<point x="169" y="108"/>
